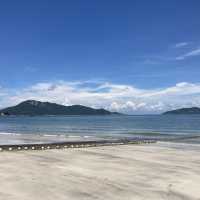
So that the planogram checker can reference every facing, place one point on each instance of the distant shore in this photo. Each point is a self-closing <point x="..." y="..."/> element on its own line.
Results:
<point x="140" y="172"/>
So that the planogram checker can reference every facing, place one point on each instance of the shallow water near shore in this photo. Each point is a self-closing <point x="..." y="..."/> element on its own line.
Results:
<point x="24" y="129"/>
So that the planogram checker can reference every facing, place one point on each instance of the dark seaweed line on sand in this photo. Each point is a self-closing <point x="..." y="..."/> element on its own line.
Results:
<point x="74" y="144"/>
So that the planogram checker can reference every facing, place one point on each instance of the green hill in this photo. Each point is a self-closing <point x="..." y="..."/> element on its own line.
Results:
<point x="193" y="110"/>
<point x="32" y="107"/>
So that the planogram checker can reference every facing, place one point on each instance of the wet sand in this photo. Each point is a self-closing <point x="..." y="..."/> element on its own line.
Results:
<point x="125" y="172"/>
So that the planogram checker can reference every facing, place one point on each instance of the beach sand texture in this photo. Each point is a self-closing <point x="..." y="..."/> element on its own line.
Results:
<point x="138" y="172"/>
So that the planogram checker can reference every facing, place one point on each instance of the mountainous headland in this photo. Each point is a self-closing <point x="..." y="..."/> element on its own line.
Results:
<point x="32" y="108"/>
<point x="192" y="110"/>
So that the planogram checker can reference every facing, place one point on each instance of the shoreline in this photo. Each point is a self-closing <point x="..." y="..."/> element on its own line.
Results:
<point x="72" y="144"/>
<point x="20" y="142"/>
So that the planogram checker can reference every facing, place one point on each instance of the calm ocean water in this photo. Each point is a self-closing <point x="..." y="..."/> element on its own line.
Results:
<point x="23" y="129"/>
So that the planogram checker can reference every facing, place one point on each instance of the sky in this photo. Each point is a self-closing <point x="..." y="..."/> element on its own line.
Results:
<point x="131" y="56"/>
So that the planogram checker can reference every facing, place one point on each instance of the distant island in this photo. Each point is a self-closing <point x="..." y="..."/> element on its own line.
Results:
<point x="192" y="110"/>
<point x="32" y="108"/>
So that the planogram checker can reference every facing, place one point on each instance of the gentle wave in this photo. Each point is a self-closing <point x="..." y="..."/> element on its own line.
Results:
<point x="81" y="127"/>
<point x="7" y="133"/>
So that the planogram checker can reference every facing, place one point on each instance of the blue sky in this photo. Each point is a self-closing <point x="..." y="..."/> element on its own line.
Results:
<point x="146" y="45"/>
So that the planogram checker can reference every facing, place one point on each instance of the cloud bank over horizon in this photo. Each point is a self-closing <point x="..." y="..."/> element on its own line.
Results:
<point x="114" y="97"/>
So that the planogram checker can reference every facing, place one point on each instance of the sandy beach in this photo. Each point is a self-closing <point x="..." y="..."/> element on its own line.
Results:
<point x="152" y="171"/>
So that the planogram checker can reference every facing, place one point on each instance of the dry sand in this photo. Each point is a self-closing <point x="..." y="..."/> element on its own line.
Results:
<point x="154" y="171"/>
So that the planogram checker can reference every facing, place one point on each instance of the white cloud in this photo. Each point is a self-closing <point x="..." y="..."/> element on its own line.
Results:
<point x="181" y="44"/>
<point x="195" y="52"/>
<point x="115" y="97"/>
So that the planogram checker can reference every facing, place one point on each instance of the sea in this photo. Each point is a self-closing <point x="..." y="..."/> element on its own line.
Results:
<point x="39" y="129"/>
